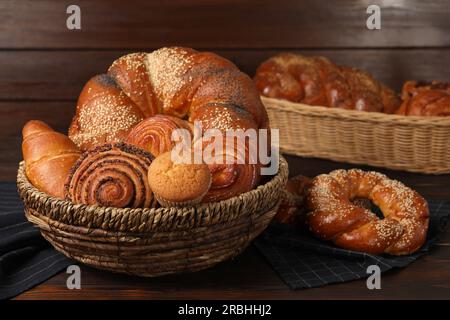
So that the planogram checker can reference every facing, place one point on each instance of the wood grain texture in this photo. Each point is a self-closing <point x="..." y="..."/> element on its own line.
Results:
<point x="250" y="277"/>
<point x="223" y="24"/>
<point x="13" y="116"/>
<point x="60" y="75"/>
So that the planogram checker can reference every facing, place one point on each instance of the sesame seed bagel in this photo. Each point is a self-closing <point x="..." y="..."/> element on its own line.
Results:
<point x="175" y="81"/>
<point x="334" y="217"/>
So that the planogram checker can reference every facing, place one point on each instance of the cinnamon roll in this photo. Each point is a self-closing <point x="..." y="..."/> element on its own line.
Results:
<point x="111" y="175"/>
<point x="154" y="134"/>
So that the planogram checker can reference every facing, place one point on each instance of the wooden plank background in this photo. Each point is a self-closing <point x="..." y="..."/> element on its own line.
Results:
<point x="44" y="65"/>
<point x="223" y="24"/>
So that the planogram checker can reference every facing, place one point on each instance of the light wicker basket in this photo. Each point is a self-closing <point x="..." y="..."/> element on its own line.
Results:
<point x="416" y="144"/>
<point x="153" y="242"/>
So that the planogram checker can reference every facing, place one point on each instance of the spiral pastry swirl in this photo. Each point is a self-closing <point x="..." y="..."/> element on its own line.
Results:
<point x="111" y="175"/>
<point x="154" y="134"/>
<point x="230" y="178"/>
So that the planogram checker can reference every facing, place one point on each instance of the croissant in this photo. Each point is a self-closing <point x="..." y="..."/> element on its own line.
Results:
<point x="104" y="114"/>
<point x="154" y="134"/>
<point x="425" y="99"/>
<point x="175" y="81"/>
<point x="318" y="81"/>
<point x="48" y="156"/>
<point x="111" y="175"/>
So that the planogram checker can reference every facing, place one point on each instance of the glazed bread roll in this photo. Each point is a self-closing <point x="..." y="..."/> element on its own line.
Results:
<point x="333" y="216"/>
<point x="175" y="81"/>
<point x="222" y="117"/>
<point x="129" y="72"/>
<point x="104" y="114"/>
<point x="319" y="82"/>
<point x="425" y="99"/>
<point x="111" y="175"/>
<point x="48" y="156"/>
<point x="229" y="179"/>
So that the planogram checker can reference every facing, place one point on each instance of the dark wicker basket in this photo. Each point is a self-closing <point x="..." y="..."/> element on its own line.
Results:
<point x="153" y="242"/>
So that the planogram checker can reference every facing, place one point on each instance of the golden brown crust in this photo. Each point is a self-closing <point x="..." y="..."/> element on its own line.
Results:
<point x="231" y="87"/>
<point x="175" y="81"/>
<point x="154" y="134"/>
<point x="223" y="117"/>
<point x="179" y="184"/>
<point x="425" y="99"/>
<point x="130" y="74"/>
<point x="111" y="175"/>
<point x="167" y="71"/>
<point x="334" y="217"/>
<point x="229" y="179"/>
<point x="48" y="156"/>
<point x="318" y="81"/>
<point x="104" y="114"/>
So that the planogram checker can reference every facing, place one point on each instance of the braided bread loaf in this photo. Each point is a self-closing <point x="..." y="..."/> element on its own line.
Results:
<point x="334" y="217"/>
<point x="175" y="81"/>
<point x="179" y="83"/>
<point x="319" y="82"/>
<point x="425" y="99"/>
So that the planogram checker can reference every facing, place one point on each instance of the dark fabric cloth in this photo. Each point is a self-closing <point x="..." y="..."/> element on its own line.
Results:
<point x="303" y="261"/>
<point x="26" y="259"/>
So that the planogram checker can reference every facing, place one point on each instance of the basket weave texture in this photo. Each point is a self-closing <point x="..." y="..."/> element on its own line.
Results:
<point x="153" y="242"/>
<point x="410" y="143"/>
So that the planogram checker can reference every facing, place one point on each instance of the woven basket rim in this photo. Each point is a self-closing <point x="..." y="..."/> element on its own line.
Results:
<point x="44" y="201"/>
<point x="377" y="117"/>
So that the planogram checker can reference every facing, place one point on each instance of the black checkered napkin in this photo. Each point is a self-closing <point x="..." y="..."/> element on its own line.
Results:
<point x="26" y="259"/>
<point x="303" y="261"/>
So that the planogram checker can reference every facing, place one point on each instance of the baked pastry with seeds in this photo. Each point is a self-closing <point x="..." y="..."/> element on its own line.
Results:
<point x="104" y="114"/>
<point x="317" y="81"/>
<point x="175" y="81"/>
<point x="332" y="215"/>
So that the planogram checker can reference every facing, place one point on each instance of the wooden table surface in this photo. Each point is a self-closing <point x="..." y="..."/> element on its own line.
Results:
<point x="44" y="66"/>
<point x="249" y="276"/>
